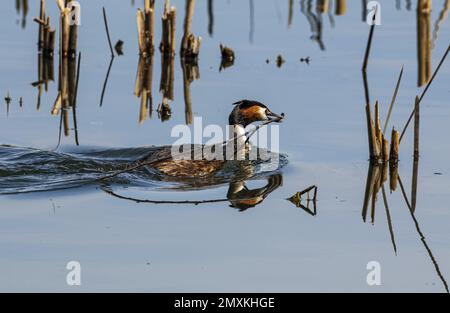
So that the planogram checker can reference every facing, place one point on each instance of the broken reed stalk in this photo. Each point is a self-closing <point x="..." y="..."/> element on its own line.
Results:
<point x="68" y="32"/>
<point x="423" y="41"/>
<point x="168" y="40"/>
<point x="369" y="41"/>
<point x="291" y="12"/>
<point x="322" y="6"/>
<point x="394" y="97"/>
<point x="167" y="48"/>
<point x="140" y="20"/>
<point x="190" y="7"/>
<point x="371" y="135"/>
<point x="73" y="39"/>
<point x="190" y="45"/>
<point x="107" y="32"/>
<point x="389" y="220"/>
<point x="395" y="143"/>
<point x="150" y="25"/>
<point x="376" y="137"/>
<point x="416" y="127"/>
<point x="145" y="26"/>
<point x="46" y="37"/>
<point x="341" y="7"/>
<point x="210" y="17"/>
<point x="378" y="133"/>
<point x="385" y="150"/>
<point x="41" y="28"/>
<point x="105" y="83"/>
<point x="64" y="33"/>
<point x="425" y="90"/>
<point x="382" y="143"/>
<point x="74" y="101"/>
<point x="416" y="155"/>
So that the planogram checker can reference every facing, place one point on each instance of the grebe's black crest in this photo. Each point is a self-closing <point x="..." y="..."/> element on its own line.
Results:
<point x="248" y="103"/>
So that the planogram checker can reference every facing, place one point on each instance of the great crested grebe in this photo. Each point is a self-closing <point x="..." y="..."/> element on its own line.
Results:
<point x="244" y="113"/>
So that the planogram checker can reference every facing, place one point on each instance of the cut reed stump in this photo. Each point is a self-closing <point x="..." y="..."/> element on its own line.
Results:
<point x="291" y="12"/>
<point x="46" y="37"/>
<point x="341" y="7"/>
<point x="190" y="45"/>
<point x="424" y="41"/>
<point x="168" y="40"/>
<point x="146" y="28"/>
<point x="374" y="148"/>
<point x="322" y="6"/>
<point x="395" y="142"/>
<point x="68" y="31"/>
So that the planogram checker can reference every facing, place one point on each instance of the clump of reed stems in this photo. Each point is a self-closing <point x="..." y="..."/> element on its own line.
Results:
<point x="68" y="32"/>
<point x="46" y="38"/>
<point x="378" y="143"/>
<point x="145" y="25"/>
<point x="168" y="40"/>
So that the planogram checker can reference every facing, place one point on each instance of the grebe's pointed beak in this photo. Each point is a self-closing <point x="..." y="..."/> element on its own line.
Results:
<point x="275" y="117"/>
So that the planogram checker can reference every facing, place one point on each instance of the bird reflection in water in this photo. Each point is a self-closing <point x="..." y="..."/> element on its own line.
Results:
<point x="239" y="195"/>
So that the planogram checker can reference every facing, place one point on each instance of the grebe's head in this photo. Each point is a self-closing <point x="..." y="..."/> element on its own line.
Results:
<point x="246" y="112"/>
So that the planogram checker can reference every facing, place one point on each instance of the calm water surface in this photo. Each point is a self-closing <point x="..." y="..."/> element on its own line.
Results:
<point x="216" y="246"/>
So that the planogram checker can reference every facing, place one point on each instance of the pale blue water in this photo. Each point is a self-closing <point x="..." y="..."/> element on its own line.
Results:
<point x="274" y="246"/>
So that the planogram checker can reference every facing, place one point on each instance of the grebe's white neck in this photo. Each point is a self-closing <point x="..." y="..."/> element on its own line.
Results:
<point x="239" y="143"/>
<point x="238" y="132"/>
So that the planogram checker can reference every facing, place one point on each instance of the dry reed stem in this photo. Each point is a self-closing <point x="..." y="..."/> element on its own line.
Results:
<point x="395" y="142"/>
<point x="425" y="90"/>
<point x="341" y="7"/>
<point x="394" y="97"/>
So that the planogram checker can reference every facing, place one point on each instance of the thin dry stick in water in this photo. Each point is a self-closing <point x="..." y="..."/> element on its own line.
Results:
<point x="425" y="91"/>
<point x="106" y="81"/>
<point x="389" y="220"/>
<point x="422" y="237"/>
<point x="107" y="32"/>
<point x="74" y="104"/>
<point x="394" y="97"/>
<point x="369" y="41"/>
